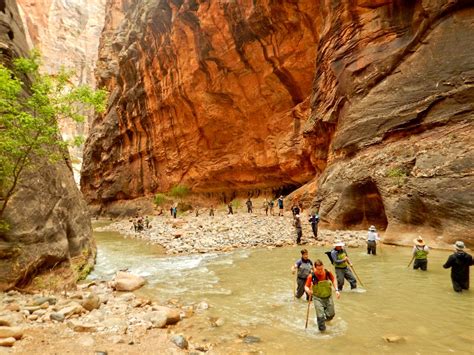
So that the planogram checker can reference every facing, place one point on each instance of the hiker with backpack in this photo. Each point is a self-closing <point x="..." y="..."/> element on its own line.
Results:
<point x="341" y="265"/>
<point x="249" y="205"/>
<point x="420" y="253"/>
<point x="304" y="266"/>
<point x="280" y="205"/>
<point x="314" y="220"/>
<point x="319" y="286"/>
<point x="298" y="227"/>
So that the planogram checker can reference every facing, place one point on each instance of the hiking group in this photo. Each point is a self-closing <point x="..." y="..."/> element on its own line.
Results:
<point x="318" y="282"/>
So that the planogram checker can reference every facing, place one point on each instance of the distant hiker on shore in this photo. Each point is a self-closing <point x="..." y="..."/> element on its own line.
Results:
<point x="459" y="262"/>
<point x="304" y="267"/>
<point x="147" y="222"/>
<point x="265" y="207"/>
<point x="249" y="205"/>
<point x="341" y="266"/>
<point x="197" y="212"/>
<point x="211" y="210"/>
<point x="372" y="238"/>
<point x="271" y="204"/>
<point x="420" y="253"/>
<point x="299" y="229"/>
<point x="229" y="208"/>
<point x="319" y="285"/>
<point x="175" y="211"/>
<point x="171" y="210"/>
<point x="314" y="220"/>
<point x="280" y="205"/>
<point x="295" y="209"/>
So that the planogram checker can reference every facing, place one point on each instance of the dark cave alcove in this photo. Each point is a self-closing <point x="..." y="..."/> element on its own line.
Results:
<point x="361" y="205"/>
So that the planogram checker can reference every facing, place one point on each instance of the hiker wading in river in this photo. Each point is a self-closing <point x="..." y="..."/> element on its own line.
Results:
<point x="319" y="285"/>
<point x="304" y="267"/>
<point x="420" y="253"/>
<point x="341" y="265"/>
<point x="372" y="238"/>
<point x="459" y="262"/>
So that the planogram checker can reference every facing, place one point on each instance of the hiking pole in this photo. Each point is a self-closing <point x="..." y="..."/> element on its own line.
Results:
<point x="307" y="311"/>
<point x="413" y="258"/>
<point x="355" y="273"/>
<point x="294" y="288"/>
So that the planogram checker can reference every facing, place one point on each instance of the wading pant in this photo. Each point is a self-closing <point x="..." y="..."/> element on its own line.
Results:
<point x="324" y="311"/>
<point x="345" y="273"/>
<point x="299" y="234"/>
<point x="420" y="264"/>
<point x="371" y="247"/>
<point x="314" y="227"/>
<point x="459" y="285"/>
<point x="300" y="287"/>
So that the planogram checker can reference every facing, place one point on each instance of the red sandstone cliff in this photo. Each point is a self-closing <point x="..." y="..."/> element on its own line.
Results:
<point x="369" y="102"/>
<point x="212" y="95"/>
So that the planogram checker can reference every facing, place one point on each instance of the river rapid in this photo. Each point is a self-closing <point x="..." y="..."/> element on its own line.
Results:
<point x="250" y="292"/>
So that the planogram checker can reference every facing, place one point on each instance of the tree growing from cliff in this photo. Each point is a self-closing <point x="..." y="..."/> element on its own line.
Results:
<point x="31" y="105"/>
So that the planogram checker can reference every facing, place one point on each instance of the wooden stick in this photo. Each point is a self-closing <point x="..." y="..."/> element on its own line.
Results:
<point x="413" y="258"/>
<point x="355" y="273"/>
<point x="307" y="311"/>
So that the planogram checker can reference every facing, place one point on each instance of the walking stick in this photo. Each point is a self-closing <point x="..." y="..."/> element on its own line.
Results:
<point x="355" y="273"/>
<point x="294" y="288"/>
<point x="413" y="258"/>
<point x="307" y="311"/>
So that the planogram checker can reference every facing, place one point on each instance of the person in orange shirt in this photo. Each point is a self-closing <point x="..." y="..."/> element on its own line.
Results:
<point x="319" y="285"/>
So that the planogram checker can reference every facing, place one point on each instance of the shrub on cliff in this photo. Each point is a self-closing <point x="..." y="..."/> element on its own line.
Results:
<point x="31" y="104"/>
<point x="179" y="191"/>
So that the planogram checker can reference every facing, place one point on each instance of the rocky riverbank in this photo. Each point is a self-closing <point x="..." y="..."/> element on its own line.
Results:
<point x="95" y="317"/>
<point x="189" y="234"/>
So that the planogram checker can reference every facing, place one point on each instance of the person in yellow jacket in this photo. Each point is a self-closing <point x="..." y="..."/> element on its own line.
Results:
<point x="420" y="253"/>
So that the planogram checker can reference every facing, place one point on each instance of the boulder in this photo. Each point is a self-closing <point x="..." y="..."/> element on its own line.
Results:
<point x="91" y="302"/>
<point x="11" y="332"/>
<point x="7" y="342"/>
<point x="180" y="341"/>
<point x="125" y="281"/>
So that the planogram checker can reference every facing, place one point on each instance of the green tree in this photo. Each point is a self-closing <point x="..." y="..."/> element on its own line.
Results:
<point x="31" y="104"/>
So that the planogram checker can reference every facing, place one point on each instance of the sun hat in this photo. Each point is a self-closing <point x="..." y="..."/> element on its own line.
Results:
<point x="459" y="245"/>
<point x="419" y="241"/>
<point x="372" y="229"/>
<point x="297" y="216"/>
<point x="339" y="244"/>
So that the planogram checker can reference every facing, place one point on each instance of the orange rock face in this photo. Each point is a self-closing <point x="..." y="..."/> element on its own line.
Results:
<point x="211" y="95"/>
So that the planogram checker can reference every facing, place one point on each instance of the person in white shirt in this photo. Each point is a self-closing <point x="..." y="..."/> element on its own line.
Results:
<point x="372" y="238"/>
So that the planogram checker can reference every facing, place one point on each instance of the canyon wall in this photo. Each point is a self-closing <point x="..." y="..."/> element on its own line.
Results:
<point x="212" y="95"/>
<point x="49" y="226"/>
<point x="394" y="89"/>
<point x="67" y="34"/>
<point x="367" y="104"/>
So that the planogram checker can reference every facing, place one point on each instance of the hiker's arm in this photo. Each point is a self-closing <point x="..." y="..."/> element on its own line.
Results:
<point x="331" y="277"/>
<point x="308" y="284"/>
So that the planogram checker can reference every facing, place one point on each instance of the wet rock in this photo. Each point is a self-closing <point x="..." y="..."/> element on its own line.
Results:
<point x="5" y="321"/>
<point x="117" y="339"/>
<point x="180" y="341"/>
<point x="202" y="306"/>
<point x="11" y="332"/>
<point x="7" y="342"/>
<point x="250" y="339"/>
<point x="13" y="307"/>
<point x="72" y="309"/>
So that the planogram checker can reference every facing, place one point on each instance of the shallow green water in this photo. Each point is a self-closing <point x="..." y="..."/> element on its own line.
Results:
<point x="252" y="290"/>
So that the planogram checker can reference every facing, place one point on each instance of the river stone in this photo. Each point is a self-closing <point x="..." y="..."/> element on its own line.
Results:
<point x="180" y="341"/>
<point x="39" y="300"/>
<point x="125" y="281"/>
<point x="202" y="306"/>
<point x="33" y="317"/>
<point x="91" y="302"/>
<point x="394" y="339"/>
<point x="7" y="342"/>
<point x="71" y="310"/>
<point x="14" y="332"/>
<point x="13" y="307"/>
<point x="57" y="316"/>
<point x="82" y="327"/>
<point x="5" y="321"/>
<point x="173" y="316"/>
<point x="157" y="319"/>
<point x="250" y="339"/>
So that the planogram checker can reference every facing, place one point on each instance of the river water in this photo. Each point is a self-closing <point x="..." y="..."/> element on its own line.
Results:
<point x="251" y="290"/>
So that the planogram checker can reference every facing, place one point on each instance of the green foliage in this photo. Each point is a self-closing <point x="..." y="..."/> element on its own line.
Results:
<point x="31" y="103"/>
<point x="398" y="175"/>
<point x="179" y="191"/>
<point x="236" y="204"/>
<point x="77" y="141"/>
<point x="159" y="199"/>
